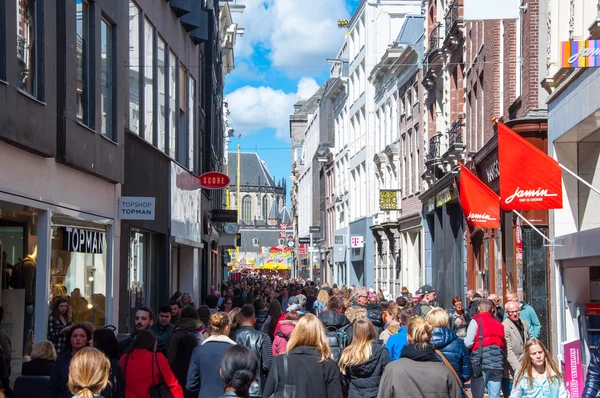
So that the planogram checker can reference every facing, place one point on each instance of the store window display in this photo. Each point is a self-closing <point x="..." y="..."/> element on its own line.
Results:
<point x="78" y="272"/>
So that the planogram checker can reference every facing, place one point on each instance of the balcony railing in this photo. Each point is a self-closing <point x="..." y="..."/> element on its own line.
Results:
<point x="435" y="38"/>
<point x="434" y="147"/>
<point x="455" y="132"/>
<point x="451" y="17"/>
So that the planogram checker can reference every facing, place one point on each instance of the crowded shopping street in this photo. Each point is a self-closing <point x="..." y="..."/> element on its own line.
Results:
<point x="299" y="198"/>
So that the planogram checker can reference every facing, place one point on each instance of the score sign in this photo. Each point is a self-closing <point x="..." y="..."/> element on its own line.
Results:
<point x="357" y="241"/>
<point x="214" y="180"/>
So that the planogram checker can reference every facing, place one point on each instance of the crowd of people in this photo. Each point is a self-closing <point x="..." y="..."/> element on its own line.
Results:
<point x="276" y="338"/>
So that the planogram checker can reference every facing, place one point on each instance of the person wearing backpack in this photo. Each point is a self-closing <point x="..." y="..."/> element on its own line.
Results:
<point x="319" y="305"/>
<point x="337" y="326"/>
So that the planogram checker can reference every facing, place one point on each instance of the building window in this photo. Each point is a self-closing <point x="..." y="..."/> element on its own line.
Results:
<point x="172" y="104"/>
<point x="265" y="207"/>
<point x="83" y="64"/>
<point x="191" y="121"/>
<point x="161" y="60"/>
<point x="29" y="47"/>
<point x="247" y="209"/>
<point x="148" y="81"/>
<point x="107" y="74"/>
<point x="182" y="156"/>
<point x="134" y="68"/>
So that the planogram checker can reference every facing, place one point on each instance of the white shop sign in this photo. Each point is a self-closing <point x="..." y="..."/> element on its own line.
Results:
<point x="136" y="208"/>
<point x="357" y="241"/>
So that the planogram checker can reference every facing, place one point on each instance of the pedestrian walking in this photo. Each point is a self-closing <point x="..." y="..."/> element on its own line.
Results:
<point x="419" y="372"/>
<point x="272" y="319"/>
<point x="428" y="301"/>
<point x="362" y="363"/>
<point x="203" y="376"/>
<point x="447" y="344"/>
<point x="338" y="329"/>
<point x="238" y="371"/>
<point x="282" y="336"/>
<point x="396" y="342"/>
<point x="393" y="325"/>
<point x="60" y="322"/>
<point x="43" y="358"/>
<point x="88" y="373"/>
<point x="262" y="314"/>
<point x="312" y="372"/>
<point x="319" y="305"/>
<point x="78" y="338"/>
<point x="539" y="375"/>
<point x="458" y="317"/>
<point x="104" y="340"/>
<point x="485" y="338"/>
<point x="259" y="343"/>
<point x="527" y="314"/>
<point x="592" y="381"/>
<point x="145" y="368"/>
<point x="189" y="324"/>
<point x="516" y="334"/>
<point x="163" y="328"/>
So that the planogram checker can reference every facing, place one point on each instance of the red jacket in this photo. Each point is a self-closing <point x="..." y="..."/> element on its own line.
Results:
<point x="138" y="370"/>
<point x="493" y="331"/>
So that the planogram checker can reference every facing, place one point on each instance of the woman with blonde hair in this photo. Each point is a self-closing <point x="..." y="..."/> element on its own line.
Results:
<point x="354" y="313"/>
<point x="319" y="305"/>
<point x="419" y="372"/>
<point x="43" y="357"/>
<point x="314" y="373"/>
<point x="203" y="377"/>
<point x="539" y="375"/>
<point x="362" y="362"/>
<point x="88" y="373"/>
<point x="447" y="344"/>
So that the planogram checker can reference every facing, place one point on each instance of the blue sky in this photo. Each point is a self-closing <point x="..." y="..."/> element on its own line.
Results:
<point x="279" y="60"/>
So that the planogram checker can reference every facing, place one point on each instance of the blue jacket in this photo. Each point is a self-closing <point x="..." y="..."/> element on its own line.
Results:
<point x="592" y="381"/>
<point x="396" y="343"/>
<point x="203" y="374"/>
<point x="454" y="350"/>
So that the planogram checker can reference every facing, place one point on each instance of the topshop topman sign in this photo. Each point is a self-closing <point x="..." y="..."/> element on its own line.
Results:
<point x="81" y="240"/>
<point x="136" y="208"/>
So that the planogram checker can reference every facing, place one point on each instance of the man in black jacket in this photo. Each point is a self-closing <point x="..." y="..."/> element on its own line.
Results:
<point x="259" y="343"/>
<point x="592" y="381"/>
<point x="335" y="321"/>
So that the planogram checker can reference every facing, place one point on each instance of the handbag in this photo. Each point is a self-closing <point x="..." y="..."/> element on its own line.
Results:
<point x="477" y="371"/>
<point x="288" y="391"/>
<point x="160" y="390"/>
<point x="449" y="366"/>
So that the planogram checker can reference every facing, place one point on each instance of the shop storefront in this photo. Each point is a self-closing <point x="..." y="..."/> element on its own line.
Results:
<point x="444" y="241"/>
<point x="57" y="239"/>
<point x="514" y="257"/>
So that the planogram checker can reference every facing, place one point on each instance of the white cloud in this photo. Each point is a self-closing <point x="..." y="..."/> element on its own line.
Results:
<point x="256" y="108"/>
<point x="296" y="34"/>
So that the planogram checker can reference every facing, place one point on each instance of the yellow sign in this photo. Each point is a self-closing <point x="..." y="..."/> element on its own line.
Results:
<point x="445" y="196"/>
<point x="388" y="199"/>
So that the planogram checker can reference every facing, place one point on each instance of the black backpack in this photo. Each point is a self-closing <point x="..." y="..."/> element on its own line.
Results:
<point x="337" y="338"/>
<point x="376" y="317"/>
<point x="17" y="280"/>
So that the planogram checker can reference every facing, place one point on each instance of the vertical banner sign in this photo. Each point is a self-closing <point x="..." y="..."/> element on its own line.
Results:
<point x="480" y="204"/>
<point x="529" y="178"/>
<point x="573" y="369"/>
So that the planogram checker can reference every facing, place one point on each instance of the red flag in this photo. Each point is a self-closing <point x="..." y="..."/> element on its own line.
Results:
<point x="529" y="178"/>
<point x="480" y="204"/>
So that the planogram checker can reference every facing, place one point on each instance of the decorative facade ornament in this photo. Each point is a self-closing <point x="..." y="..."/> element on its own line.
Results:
<point x="572" y="20"/>
<point x="549" y="41"/>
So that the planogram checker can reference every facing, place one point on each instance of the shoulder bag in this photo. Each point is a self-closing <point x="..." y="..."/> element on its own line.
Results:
<point x="449" y="366"/>
<point x="160" y="390"/>
<point x="477" y="371"/>
<point x="288" y="391"/>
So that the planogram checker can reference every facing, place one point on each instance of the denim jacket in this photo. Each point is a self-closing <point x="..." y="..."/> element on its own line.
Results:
<point x="541" y="389"/>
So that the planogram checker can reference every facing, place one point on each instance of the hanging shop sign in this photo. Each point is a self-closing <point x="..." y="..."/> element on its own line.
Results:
<point x="357" y="241"/>
<point x="388" y="199"/>
<point x="480" y="204"/>
<point x="214" y="180"/>
<point x="224" y="216"/>
<point x="531" y="180"/>
<point x="136" y="208"/>
<point x="81" y="240"/>
<point x="580" y="54"/>
<point x="444" y="196"/>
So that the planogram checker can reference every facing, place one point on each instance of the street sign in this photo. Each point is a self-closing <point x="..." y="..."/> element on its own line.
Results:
<point x="357" y="241"/>
<point x="136" y="208"/>
<point x="304" y="240"/>
<point x="220" y="215"/>
<point x="314" y="230"/>
<point x="313" y="249"/>
<point x="214" y="180"/>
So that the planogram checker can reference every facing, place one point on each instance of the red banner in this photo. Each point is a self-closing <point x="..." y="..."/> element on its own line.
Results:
<point x="529" y="178"/>
<point x="479" y="203"/>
